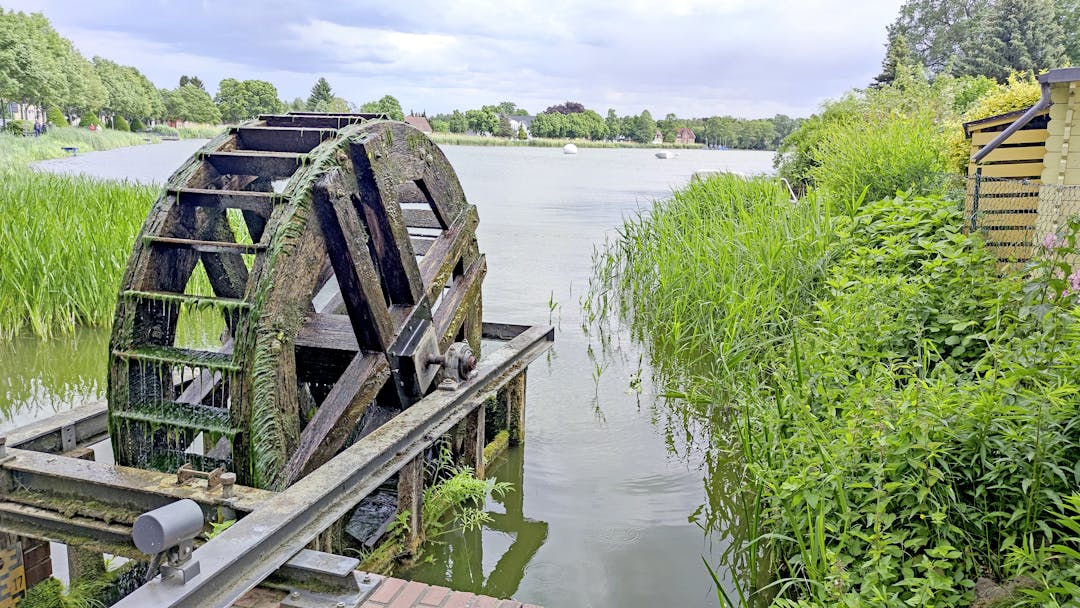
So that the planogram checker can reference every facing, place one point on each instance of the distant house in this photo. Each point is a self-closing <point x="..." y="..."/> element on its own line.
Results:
<point x="684" y="136"/>
<point x="521" y="122"/>
<point x="419" y="122"/>
<point x="658" y="138"/>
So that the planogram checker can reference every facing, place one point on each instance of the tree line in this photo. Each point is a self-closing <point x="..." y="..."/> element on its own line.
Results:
<point x="573" y="120"/>
<point x="39" y="67"/>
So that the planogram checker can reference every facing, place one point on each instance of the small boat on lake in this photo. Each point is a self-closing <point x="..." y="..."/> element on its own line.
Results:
<point x="666" y="154"/>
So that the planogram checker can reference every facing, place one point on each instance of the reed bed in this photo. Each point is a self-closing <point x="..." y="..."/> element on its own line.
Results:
<point x="65" y="239"/>
<point x="900" y="419"/>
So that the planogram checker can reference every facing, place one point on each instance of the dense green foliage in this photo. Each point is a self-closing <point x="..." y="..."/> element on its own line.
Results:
<point x="121" y="125"/>
<point x="190" y="103"/>
<point x="62" y="265"/>
<point x="56" y="117"/>
<point x="240" y="100"/>
<point x="387" y="104"/>
<point x="137" y="126"/>
<point x="89" y="118"/>
<point x="904" y="416"/>
<point x="988" y="37"/>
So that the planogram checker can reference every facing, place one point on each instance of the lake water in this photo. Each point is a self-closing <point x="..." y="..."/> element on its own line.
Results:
<point x="605" y="483"/>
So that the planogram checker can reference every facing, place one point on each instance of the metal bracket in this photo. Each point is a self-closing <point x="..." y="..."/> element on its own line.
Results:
<point x="186" y="472"/>
<point x="178" y="566"/>
<point x="341" y="585"/>
<point x="68" y="441"/>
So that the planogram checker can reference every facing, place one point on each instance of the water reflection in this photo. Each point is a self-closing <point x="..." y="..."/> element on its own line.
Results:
<point x="492" y="560"/>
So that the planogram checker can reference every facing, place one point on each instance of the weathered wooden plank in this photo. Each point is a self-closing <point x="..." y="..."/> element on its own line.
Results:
<point x="206" y="246"/>
<point x="283" y="139"/>
<point x="1007" y="236"/>
<point x="1004" y="187"/>
<point x="1010" y="220"/>
<point x="1013" y="154"/>
<point x="1007" y="203"/>
<point x="445" y="252"/>
<point x="258" y="202"/>
<point x="389" y="235"/>
<point x="1014" y="170"/>
<point x="411" y="501"/>
<point x="272" y="165"/>
<point x="421" y="244"/>
<point x="353" y="266"/>
<point x="453" y="307"/>
<point x="475" y="441"/>
<point x="420" y="218"/>
<point x="326" y="433"/>
<point x="1023" y="136"/>
<point x="321" y="121"/>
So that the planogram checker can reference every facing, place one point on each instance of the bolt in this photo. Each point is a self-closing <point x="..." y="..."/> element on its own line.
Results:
<point x="228" y="485"/>
<point x="367" y="579"/>
<point x="295" y="594"/>
<point x="341" y="605"/>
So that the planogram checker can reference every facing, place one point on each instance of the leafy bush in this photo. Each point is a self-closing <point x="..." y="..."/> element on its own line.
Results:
<point x="137" y="126"/>
<point x="907" y="423"/>
<point x="879" y="154"/>
<point x="163" y="129"/>
<point x="89" y="118"/>
<point x="56" y="117"/>
<point x="19" y="127"/>
<point x="1021" y="91"/>
<point x="120" y="124"/>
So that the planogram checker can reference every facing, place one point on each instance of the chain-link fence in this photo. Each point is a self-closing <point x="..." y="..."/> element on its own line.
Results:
<point x="1014" y="215"/>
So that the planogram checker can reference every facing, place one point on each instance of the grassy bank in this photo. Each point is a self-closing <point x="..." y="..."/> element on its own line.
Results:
<point x="455" y="139"/>
<point x="66" y="239"/>
<point x="903" y="417"/>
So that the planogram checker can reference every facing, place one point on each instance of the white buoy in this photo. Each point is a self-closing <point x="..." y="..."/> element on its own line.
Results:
<point x="569" y="149"/>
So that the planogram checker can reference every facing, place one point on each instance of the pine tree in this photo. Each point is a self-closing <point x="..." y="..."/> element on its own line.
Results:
<point x="320" y="94"/>
<point x="1025" y="35"/>
<point x="897" y="54"/>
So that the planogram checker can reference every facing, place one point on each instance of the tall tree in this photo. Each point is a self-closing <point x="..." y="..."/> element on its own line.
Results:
<point x="897" y="54"/>
<point x="194" y="81"/>
<point x="240" y="100"/>
<point x="1024" y="35"/>
<point x="387" y="104"/>
<point x="939" y="33"/>
<point x="1068" y="17"/>
<point x="321" y="93"/>
<point x="190" y="103"/>
<point x="644" y="130"/>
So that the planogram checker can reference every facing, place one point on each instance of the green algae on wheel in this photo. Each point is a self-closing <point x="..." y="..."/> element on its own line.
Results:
<point x="333" y="259"/>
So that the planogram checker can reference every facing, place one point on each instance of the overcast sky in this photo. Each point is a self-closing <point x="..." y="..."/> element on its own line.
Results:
<point x="749" y="58"/>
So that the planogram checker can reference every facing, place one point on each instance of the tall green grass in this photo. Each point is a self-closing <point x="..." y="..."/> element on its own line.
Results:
<point x="65" y="240"/>
<point x="715" y="274"/>
<point x="899" y="417"/>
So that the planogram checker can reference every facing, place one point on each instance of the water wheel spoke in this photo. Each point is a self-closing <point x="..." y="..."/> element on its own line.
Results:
<point x="453" y="308"/>
<point x="443" y="255"/>
<point x="356" y="274"/>
<point x="338" y="414"/>
<point x="390" y="243"/>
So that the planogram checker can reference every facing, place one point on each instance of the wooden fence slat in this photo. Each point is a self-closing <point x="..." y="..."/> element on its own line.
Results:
<point x="1012" y="220"/>
<point x="1024" y="136"/>
<point x="1014" y="170"/>
<point x="1007" y="236"/>
<point x="1011" y="203"/>
<point x="1016" y="153"/>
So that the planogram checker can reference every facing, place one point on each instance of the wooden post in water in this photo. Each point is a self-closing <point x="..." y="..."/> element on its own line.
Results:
<point x="411" y="501"/>
<point x="475" y="440"/>
<point x="512" y="400"/>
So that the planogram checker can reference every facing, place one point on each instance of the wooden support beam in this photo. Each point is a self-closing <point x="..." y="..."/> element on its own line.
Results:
<point x="411" y="501"/>
<point x="452" y="309"/>
<point x="475" y="440"/>
<point x="512" y="399"/>
<point x="353" y="266"/>
<point x="390" y="243"/>
<point x="443" y="255"/>
<point x="334" y="421"/>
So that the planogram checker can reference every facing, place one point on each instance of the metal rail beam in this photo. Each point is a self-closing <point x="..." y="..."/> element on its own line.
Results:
<point x="257" y="545"/>
<point x="63" y="432"/>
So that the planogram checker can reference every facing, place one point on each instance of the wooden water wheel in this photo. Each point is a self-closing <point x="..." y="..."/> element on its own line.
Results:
<point x="338" y="255"/>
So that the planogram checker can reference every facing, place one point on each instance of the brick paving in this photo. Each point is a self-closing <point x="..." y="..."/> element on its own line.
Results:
<point x="395" y="593"/>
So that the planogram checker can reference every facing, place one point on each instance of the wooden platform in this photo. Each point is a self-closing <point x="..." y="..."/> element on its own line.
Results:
<point x="394" y="593"/>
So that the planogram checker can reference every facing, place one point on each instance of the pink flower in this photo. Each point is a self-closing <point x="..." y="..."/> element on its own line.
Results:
<point x="1074" y="281"/>
<point x="1052" y="241"/>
